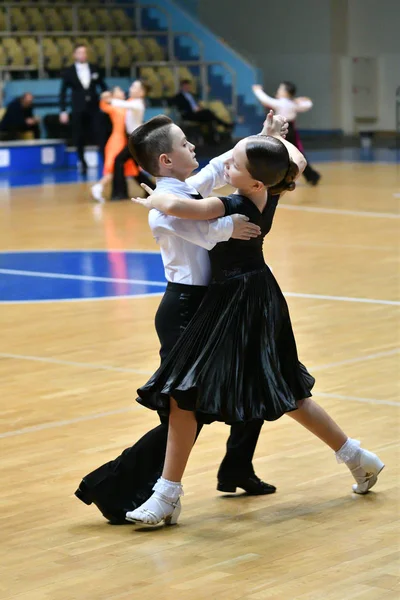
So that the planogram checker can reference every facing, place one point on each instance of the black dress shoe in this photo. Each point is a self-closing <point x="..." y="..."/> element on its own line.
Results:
<point x="315" y="180"/>
<point x="252" y="485"/>
<point x="115" y="516"/>
<point x="118" y="198"/>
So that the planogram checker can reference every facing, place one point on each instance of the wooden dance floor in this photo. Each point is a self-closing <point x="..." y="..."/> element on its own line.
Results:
<point x="69" y="370"/>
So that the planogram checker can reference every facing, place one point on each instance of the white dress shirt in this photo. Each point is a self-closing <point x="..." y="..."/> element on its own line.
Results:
<point x="283" y="106"/>
<point x="184" y="243"/>
<point x="84" y="75"/>
<point x="134" y="114"/>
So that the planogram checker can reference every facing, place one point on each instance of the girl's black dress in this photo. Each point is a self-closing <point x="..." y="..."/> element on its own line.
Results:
<point x="237" y="359"/>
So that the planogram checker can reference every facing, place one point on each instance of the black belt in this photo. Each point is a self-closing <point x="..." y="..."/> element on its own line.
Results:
<point x="183" y="288"/>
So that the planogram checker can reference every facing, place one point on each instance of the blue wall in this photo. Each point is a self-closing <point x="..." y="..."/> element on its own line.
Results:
<point x="190" y="6"/>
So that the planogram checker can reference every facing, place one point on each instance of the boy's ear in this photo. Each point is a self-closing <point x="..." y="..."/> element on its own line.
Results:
<point x="258" y="186"/>
<point x="165" y="160"/>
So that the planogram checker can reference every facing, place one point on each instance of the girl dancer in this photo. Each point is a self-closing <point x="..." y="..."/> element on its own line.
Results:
<point x="286" y="104"/>
<point x="237" y="359"/>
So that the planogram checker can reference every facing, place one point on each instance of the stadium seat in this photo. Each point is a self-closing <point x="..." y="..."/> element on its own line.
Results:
<point x="136" y="48"/>
<point x="18" y="19"/>
<point x="30" y="48"/>
<point x="104" y="21"/>
<point x="52" y="56"/>
<point x="3" y="22"/>
<point x="3" y="55"/>
<point x="99" y="50"/>
<point x="66" y="17"/>
<point x="66" y="47"/>
<point x="87" y="20"/>
<point x="152" y="49"/>
<point x="14" y="52"/>
<point x="121" y="20"/>
<point x="35" y="18"/>
<point x="167" y="77"/>
<point x="152" y="78"/>
<point x="53" y="19"/>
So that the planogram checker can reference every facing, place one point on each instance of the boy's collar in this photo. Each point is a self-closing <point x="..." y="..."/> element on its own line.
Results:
<point x="177" y="184"/>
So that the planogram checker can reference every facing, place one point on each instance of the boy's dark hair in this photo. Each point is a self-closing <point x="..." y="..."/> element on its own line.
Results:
<point x="149" y="141"/>
<point x="268" y="161"/>
<point x="290" y="88"/>
<point x="185" y="81"/>
<point x="83" y="45"/>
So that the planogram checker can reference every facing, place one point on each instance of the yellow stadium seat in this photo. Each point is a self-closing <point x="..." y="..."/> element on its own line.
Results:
<point x="121" y="20"/>
<point x="35" y="19"/>
<point x="52" y="56"/>
<point x="3" y="22"/>
<point x="167" y="77"/>
<point x="3" y="56"/>
<point x="15" y="54"/>
<point x="152" y="49"/>
<point x="87" y="20"/>
<point x="53" y="20"/>
<point x="120" y="56"/>
<point x="137" y="50"/>
<point x="18" y="20"/>
<point x="99" y="49"/>
<point x="66" y="17"/>
<point x="151" y="77"/>
<point x="104" y="20"/>
<point x="30" y="48"/>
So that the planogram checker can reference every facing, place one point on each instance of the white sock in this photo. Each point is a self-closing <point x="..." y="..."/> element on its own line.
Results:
<point x="171" y="490"/>
<point x="349" y="453"/>
<point x="160" y="504"/>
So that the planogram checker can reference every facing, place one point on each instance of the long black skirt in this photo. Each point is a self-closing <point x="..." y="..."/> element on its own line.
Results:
<point x="237" y="359"/>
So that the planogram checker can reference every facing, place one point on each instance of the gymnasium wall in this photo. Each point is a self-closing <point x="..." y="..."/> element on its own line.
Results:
<point x="313" y="42"/>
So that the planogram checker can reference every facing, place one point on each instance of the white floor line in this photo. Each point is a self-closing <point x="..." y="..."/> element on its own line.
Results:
<point x="340" y="211"/>
<point x="55" y="424"/>
<point x="88" y="299"/>
<point x="133" y="407"/>
<point x="327" y="245"/>
<point x="342" y="298"/>
<point x="358" y="399"/>
<point x="71" y="363"/>
<point x="45" y="274"/>
<point x="352" y="361"/>
<point x="83" y="250"/>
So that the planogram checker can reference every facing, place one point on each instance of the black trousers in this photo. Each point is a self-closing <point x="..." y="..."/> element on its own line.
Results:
<point x="309" y="173"/>
<point x="119" y="185"/>
<point x="90" y="126"/>
<point x="126" y="482"/>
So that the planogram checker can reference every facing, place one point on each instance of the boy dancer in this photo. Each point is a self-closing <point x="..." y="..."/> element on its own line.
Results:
<point x="162" y="149"/>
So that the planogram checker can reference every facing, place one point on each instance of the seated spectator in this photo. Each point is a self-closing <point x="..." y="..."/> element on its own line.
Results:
<point x="18" y="119"/>
<point x="190" y="110"/>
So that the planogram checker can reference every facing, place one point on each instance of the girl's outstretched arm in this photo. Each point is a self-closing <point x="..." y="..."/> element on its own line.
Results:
<point x="184" y="208"/>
